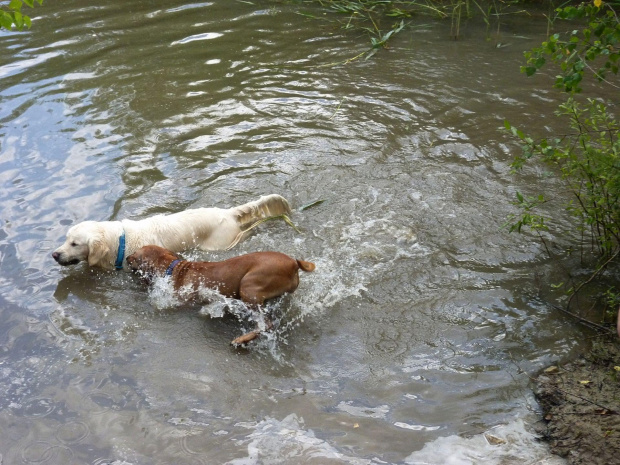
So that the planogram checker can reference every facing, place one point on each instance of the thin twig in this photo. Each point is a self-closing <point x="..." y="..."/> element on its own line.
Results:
<point x="593" y="276"/>
<point x="338" y="108"/>
<point x="583" y="320"/>
<point x="610" y="410"/>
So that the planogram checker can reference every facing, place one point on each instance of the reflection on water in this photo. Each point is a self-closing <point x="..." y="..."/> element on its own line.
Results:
<point x="409" y="338"/>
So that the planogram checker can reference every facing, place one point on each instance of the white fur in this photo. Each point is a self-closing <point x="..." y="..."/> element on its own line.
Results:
<point x="206" y="228"/>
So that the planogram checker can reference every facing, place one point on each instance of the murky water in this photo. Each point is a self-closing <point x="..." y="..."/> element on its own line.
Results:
<point x="405" y="345"/>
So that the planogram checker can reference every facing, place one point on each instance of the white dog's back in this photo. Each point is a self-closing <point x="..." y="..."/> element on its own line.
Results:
<point x="206" y="228"/>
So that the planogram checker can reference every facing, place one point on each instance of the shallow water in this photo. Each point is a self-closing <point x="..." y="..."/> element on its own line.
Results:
<point x="406" y="344"/>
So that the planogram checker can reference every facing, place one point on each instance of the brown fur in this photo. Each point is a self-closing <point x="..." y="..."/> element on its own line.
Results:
<point x="253" y="278"/>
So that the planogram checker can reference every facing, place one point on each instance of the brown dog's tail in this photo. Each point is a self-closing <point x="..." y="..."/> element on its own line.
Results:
<point x="306" y="266"/>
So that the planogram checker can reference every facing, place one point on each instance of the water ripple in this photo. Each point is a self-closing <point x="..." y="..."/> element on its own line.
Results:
<point x="418" y="311"/>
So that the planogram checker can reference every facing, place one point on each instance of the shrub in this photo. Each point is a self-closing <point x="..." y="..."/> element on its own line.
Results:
<point x="587" y="157"/>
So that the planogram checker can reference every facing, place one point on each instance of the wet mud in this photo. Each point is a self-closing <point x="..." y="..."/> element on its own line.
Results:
<point x="581" y="406"/>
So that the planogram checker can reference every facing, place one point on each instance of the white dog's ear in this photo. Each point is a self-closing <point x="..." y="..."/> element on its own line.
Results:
<point x="97" y="250"/>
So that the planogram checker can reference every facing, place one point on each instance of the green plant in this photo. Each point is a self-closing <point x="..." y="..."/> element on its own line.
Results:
<point x="588" y="161"/>
<point x="529" y="219"/>
<point x="592" y="49"/>
<point x="379" y="40"/>
<point x="12" y="16"/>
<point x="587" y="156"/>
<point x="497" y="9"/>
<point x="455" y="19"/>
<point x="368" y="15"/>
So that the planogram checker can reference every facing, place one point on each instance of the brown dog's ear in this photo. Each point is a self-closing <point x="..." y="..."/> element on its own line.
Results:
<point x="97" y="250"/>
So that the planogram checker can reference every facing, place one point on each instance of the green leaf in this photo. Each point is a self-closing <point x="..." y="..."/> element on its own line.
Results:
<point x="6" y="20"/>
<point x="18" y="19"/>
<point x="311" y="204"/>
<point x="15" y="5"/>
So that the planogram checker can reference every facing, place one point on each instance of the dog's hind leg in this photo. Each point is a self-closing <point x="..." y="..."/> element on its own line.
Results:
<point x="244" y="339"/>
<point x="247" y="337"/>
<point x="254" y="296"/>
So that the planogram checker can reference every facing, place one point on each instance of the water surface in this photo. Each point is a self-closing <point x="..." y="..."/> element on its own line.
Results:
<point x="404" y="346"/>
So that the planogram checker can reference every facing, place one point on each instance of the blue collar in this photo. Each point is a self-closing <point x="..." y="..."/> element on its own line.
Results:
<point x="171" y="267"/>
<point x="121" y="252"/>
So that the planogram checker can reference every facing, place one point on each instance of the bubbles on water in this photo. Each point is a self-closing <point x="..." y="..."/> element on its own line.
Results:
<point x="275" y="441"/>
<point x="162" y="295"/>
<point x="403" y="425"/>
<point x="40" y="407"/>
<point x="327" y="286"/>
<point x="351" y="408"/>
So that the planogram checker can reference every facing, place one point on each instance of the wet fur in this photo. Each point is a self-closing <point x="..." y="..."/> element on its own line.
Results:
<point x="253" y="278"/>
<point x="206" y="228"/>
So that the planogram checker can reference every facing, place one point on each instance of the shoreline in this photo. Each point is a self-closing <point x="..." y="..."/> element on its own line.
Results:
<point x="580" y="402"/>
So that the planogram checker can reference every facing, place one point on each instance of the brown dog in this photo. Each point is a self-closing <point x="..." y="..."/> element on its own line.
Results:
<point x="253" y="278"/>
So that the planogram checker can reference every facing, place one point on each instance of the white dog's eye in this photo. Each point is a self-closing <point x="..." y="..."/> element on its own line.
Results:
<point x="74" y="244"/>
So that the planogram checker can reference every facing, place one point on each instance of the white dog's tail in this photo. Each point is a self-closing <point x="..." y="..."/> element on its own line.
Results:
<point x="265" y="207"/>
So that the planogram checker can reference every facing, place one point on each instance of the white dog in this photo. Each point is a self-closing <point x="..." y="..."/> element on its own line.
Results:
<point x="107" y="243"/>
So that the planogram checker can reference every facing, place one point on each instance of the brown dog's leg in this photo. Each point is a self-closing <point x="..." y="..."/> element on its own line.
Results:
<point x="247" y="337"/>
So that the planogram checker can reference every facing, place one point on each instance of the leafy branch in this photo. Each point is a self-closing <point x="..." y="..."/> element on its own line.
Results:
<point x="587" y="156"/>
<point x="12" y="16"/>
<point x="589" y="163"/>
<point x="578" y="51"/>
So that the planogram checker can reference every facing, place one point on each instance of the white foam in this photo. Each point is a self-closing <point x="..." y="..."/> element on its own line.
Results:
<point x="503" y="445"/>
<point x="363" y="411"/>
<point x="403" y="425"/>
<point x="275" y="441"/>
<point x="283" y="441"/>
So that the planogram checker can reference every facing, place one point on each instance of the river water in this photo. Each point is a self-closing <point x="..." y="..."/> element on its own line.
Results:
<point x="410" y="341"/>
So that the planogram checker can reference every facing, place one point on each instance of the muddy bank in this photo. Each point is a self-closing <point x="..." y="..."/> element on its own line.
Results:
<point x="581" y="406"/>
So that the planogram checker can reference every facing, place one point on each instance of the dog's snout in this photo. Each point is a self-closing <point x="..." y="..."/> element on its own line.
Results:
<point x="131" y="260"/>
<point x="56" y="256"/>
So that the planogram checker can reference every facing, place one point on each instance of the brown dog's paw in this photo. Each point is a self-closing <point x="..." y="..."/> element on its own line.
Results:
<point x="245" y="338"/>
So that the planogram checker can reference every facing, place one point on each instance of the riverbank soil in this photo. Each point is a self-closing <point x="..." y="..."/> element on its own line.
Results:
<point x="581" y="406"/>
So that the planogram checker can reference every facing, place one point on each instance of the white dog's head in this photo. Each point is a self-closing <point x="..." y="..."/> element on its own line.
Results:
<point x="85" y="241"/>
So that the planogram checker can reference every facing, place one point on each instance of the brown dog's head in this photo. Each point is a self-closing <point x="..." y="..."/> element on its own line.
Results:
<point x="151" y="261"/>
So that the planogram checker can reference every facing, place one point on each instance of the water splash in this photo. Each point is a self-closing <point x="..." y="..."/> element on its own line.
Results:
<point x="275" y="441"/>
<point x="509" y="444"/>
